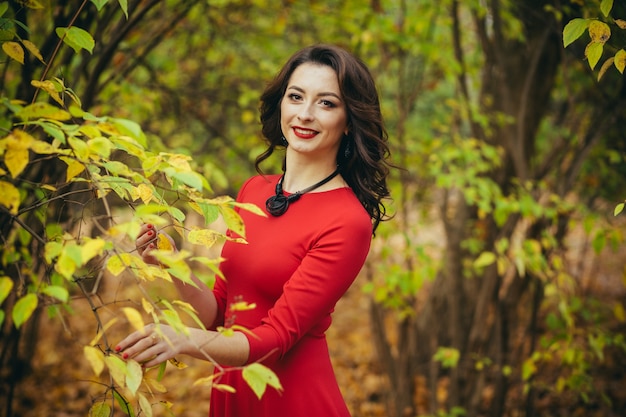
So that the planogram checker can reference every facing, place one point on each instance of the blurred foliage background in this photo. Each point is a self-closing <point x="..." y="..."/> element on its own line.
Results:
<point x="498" y="287"/>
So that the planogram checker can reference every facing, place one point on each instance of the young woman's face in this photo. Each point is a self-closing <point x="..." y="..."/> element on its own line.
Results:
<point x="313" y="114"/>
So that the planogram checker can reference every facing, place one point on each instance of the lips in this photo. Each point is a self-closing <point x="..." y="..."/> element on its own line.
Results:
<point x="304" y="133"/>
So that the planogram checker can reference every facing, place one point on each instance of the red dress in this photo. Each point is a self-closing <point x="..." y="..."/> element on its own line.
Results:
<point x="294" y="268"/>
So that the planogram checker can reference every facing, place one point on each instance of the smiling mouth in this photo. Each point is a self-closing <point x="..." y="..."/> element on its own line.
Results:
<point x="304" y="133"/>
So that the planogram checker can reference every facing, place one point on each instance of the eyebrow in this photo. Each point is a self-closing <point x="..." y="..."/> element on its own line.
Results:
<point x="322" y="94"/>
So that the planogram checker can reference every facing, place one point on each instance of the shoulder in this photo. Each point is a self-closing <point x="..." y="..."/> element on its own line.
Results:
<point x="258" y="184"/>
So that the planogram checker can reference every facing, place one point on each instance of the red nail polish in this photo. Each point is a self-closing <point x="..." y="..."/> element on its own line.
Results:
<point x="125" y="356"/>
<point x="149" y="226"/>
<point x="118" y="348"/>
<point x="150" y="233"/>
<point x="151" y="246"/>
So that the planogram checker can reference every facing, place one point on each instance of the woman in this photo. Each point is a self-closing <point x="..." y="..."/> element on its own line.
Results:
<point x="300" y="259"/>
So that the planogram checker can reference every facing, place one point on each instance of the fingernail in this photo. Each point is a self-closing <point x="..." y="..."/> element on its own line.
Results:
<point x="151" y="246"/>
<point x="118" y="348"/>
<point x="149" y="226"/>
<point x="125" y="356"/>
<point x="150" y="233"/>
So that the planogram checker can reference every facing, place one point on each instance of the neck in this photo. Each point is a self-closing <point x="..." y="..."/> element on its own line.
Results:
<point x="299" y="176"/>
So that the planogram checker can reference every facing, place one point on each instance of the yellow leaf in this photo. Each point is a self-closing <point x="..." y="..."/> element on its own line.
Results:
<point x="599" y="31"/>
<point x="607" y="64"/>
<point x="134" y="375"/>
<point x="145" y="405"/>
<point x="118" y="263"/>
<point x="134" y="317"/>
<point x="147" y="306"/>
<point x="142" y="191"/>
<point x="14" y="50"/>
<point x="16" y="160"/>
<point x="74" y="167"/>
<point x="181" y="162"/>
<point x="155" y="385"/>
<point x="163" y="243"/>
<point x="224" y="388"/>
<point x="621" y="23"/>
<point x="6" y="284"/>
<point x="620" y="60"/>
<point x="9" y="196"/>
<point x="233" y="220"/>
<point x="32" y="48"/>
<point x="204" y="237"/>
<point x="206" y="380"/>
<point x="49" y="87"/>
<point x="43" y="148"/>
<point x="95" y="357"/>
<point x="91" y="248"/>
<point x="178" y="364"/>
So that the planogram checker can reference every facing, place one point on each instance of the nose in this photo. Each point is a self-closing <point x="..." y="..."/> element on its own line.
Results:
<point x="305" y="113"/>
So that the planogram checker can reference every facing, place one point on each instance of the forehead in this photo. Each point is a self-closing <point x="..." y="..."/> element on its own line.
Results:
<point x="315" y="77"/>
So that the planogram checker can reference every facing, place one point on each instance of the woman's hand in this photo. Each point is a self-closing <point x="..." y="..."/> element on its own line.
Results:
<point x="148" y="239"/>
<point x="150" y="346"/>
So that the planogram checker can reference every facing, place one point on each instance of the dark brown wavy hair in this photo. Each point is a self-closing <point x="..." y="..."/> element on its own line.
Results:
<point x="365" y="169"/>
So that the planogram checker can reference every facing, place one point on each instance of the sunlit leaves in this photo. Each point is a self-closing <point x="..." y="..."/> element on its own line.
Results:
<point x="42" y="110"/>
<point x="14" y="50"/>
<point x="95" y="357"/>
<point x="447" y="356"/>
<point x="76" y="38"/>
<point x="24" y="308"/>
<point x="9" y="196"/>
<point x="620" y="60"/>
<point x="134" y="317"/>
<point x="259" y="377"/>
<point x="100" y="409"/>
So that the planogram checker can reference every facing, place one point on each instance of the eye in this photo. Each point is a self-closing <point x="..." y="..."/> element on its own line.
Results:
<point x="327" y="103"/>
<point x="294" y="96"/>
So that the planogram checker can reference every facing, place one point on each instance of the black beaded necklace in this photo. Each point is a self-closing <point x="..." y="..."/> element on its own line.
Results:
<point x="277" y="204"/>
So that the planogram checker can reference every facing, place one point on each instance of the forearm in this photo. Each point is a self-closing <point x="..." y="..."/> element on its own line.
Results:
<point x="231" y="350"/>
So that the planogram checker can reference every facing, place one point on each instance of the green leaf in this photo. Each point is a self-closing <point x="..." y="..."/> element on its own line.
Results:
<point x="99" y="3"/>
<point x="593" y="52"/>
<point x="449" y="357"/>
<point x="102" y="409"/>
<point x="24" y="308"/>
<point x="117" y="369"/>
<point x="6" y="284"/>
<point x="58" y="292"/>
<point x="124" y="6"/>
<point x="125" y="405"/>
<point x="606" y="6"/>
<point x="258" y="377"/>
<point x="76" y="38"/>
<point x="618" y="209"/>
<point x="574" y="30"/>
<point x="485" y="259"/>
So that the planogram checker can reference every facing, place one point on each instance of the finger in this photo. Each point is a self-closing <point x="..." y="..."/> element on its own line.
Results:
<point x="133" y="338"/>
